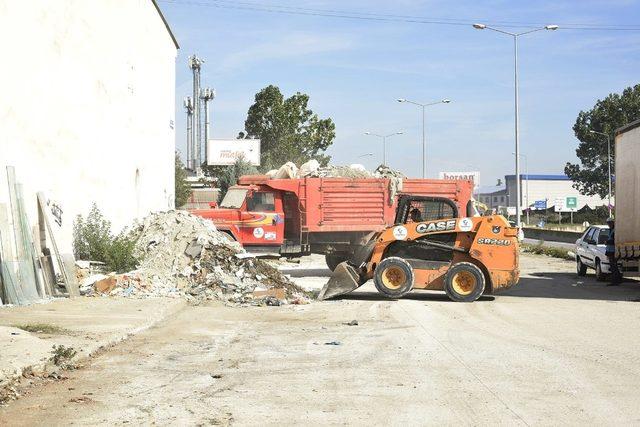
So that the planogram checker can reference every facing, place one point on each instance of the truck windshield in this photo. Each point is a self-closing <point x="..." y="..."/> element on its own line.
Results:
<point x="234" y="198"/>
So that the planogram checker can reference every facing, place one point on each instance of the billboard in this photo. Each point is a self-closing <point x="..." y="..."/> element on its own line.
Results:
<point x="224" y="152"/>
<point x="468" y="176"/>
<point x="540" y="205"/>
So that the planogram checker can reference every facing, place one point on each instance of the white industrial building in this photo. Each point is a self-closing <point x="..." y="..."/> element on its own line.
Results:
<point x="537" y="188"/>
<point x="87" y="107"/>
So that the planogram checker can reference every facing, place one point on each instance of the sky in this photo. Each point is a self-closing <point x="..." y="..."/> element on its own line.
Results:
<point x="354" y="70"/>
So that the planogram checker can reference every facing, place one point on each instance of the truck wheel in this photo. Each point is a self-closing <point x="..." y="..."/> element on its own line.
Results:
<point x="464" y="282"/>
<point x="580" y="267"/>
<point x="334" y="258"/>
<point x="393" y="277"/>
<point x="600" y="276"/>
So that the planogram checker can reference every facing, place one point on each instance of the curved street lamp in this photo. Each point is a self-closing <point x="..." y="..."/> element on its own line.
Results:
<point x="517" y="107"/>
<point x="424" y="141"/>
<point x="384" y="143"/>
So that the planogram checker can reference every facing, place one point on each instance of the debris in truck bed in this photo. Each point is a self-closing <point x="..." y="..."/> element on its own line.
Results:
<point x="183" y="255"/>
<point x="312" y="169"/>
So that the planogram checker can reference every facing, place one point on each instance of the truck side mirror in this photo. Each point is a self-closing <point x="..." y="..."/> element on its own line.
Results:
<point x="213" y="205"/>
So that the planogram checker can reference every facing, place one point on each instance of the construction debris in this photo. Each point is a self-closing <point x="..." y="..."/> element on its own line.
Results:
<point x="183" y="255"/>
<point x="28" y="268"/>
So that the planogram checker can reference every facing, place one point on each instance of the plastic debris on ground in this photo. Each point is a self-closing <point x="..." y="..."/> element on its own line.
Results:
<point x="182" y="255"/>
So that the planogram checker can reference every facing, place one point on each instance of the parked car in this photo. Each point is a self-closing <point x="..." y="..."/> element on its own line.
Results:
<point x="590" y="251"/>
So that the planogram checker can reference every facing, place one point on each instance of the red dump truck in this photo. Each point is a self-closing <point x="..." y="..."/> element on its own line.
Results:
<point x="323" y="215"/>
<point x="627" y="155"/>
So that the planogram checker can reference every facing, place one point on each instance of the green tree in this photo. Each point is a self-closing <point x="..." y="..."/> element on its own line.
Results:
<point x="287" y="128"/>
<point x="229" y="175"/>
<point x="182" y="188"/>
<point x="591" y="175"/>
<point x="91" y="236"/>
<point x="93" y="241"/>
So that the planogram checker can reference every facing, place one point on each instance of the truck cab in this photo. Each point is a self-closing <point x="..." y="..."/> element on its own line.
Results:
<point x="252" y="215"/>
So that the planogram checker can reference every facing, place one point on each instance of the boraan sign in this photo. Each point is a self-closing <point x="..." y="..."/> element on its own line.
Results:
<point x="467" y="176"/>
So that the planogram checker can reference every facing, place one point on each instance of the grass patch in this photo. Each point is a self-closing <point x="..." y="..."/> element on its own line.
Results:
<point x="62" y="355"/>
<point x="539" y="249"/>
<point x="43" y="328"/>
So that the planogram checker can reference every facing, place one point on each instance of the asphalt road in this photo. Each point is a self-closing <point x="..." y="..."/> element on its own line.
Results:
<point x="553" y="350"/>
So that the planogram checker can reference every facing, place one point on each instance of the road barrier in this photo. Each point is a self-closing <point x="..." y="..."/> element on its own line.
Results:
<point x="551" y="235"/>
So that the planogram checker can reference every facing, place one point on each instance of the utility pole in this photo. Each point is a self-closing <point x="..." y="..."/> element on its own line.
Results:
<point x="424" y="135"/>
<point x="207" y="94"/>
<point x="188" y="106"/>
<point x="516" y="106"/>
<point x="384" y="143"/>
<point x="609" y="162"/>
<point x="194" y="64"/>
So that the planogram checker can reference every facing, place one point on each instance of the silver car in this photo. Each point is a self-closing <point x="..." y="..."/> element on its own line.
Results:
<point x="590" y="251"/>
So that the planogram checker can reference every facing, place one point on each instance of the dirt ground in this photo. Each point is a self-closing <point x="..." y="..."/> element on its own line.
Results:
<point x="554" y="350"/>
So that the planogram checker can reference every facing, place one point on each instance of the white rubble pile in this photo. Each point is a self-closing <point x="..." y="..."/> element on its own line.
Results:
<point x="312" y="169"/>
<point x="182" y="255"/>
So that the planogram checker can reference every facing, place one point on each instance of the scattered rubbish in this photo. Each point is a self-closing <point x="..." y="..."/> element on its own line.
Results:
<point x="81" y="399"/>
<point x="352" y="323"/>
<point x="182" y="255"/>
<point x="333" y="343"/>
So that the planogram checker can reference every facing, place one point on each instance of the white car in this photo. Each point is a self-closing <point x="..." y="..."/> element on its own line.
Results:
<point x="590" y="251"/>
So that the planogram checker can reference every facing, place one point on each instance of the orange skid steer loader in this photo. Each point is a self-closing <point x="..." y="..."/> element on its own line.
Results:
<point x="430" y="248"/>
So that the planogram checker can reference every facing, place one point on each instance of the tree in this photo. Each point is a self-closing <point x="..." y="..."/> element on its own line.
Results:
<point x="287" y="128"/>
<point x="591" y="176"/>
<point x="93" y="241"/>
<point x="182" y="188"/>
<point x="230" y="174"/>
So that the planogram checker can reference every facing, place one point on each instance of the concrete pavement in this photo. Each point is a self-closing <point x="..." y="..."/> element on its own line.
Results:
<point x="556" y="349"/>
<point x="84" y="324"/>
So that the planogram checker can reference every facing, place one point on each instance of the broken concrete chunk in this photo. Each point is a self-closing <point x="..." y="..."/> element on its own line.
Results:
<point x="106" y="285"/>
<point x="194" y="250"/>
<point x="278" y="293"/>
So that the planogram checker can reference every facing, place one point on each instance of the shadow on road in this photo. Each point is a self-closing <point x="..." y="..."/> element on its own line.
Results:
<point x="561" y="285"/>
<point x="415" y="295"/>
<point x="570" y="286"/>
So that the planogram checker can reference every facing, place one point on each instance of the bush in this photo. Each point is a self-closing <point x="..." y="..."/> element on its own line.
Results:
<point x="182" y="188"/>
<point x="91" y="236"/>
<point x="93" y="241"/>
<point x="540" y="249"/>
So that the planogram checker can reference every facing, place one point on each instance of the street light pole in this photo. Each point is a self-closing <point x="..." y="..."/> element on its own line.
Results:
<point x="609" y="161"/>
<point x="384" y="143"/>
<point x="526" y="172"/>
<point x="517" y="107"/>
<point x="424" y="136"/>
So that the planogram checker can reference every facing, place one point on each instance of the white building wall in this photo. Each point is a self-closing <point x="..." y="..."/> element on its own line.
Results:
<point x="87" y="107"/>
<point x="550" y="189"/>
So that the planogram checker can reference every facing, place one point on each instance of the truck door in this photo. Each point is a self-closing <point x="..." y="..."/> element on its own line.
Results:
<point x="265" y="223"/>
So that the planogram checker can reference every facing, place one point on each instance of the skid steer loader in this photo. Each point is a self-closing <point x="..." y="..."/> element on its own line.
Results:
<point x="431" y="248"/>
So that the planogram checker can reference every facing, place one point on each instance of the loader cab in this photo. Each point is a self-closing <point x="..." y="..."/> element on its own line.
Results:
<point x="424" y="208"/>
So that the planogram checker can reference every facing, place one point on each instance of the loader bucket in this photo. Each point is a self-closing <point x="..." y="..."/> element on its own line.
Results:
<point x="344" y="280"/>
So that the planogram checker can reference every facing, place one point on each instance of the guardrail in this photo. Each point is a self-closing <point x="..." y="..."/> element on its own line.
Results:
<point x="551" y="235"/>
